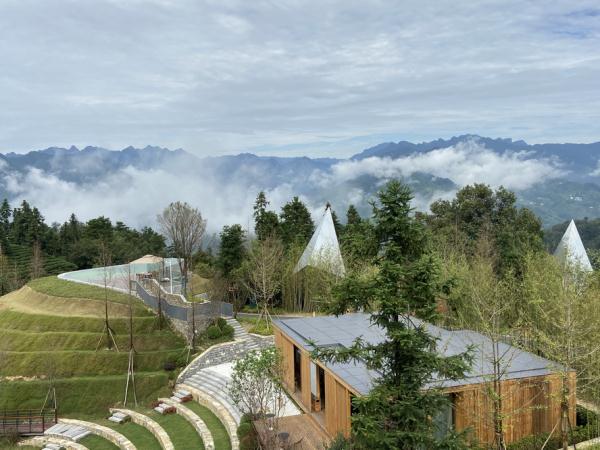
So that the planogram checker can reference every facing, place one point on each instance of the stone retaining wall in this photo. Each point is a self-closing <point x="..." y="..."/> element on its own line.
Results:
<point x="218" y="410"/>
<point x="107" y="433"/>
<point x="195" y="420"/>
<point x="151" y="425"/>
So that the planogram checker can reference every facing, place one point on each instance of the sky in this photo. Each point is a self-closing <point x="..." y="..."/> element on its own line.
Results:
<point x="322" y="78"/>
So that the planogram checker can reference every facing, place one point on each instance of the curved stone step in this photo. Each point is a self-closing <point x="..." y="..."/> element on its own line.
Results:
<point x="150" y="424"/>
<point x="218" y="393"/>
<point x="41" y="441"/>
<point x="193" y="419"/>
<point x="107" y="433"/>
<point x="218" y="410"/>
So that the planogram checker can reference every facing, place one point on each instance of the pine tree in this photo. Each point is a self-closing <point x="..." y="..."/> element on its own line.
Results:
<point x="5" y="215"/>
<point x="352" y="216"/>
<point x="266" y="223"/>
<point x="296" y="224"/>
<point x="231" y="250"/>
<point x="398" y="411"/>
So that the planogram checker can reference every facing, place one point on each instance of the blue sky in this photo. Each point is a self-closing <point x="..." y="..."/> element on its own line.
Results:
<point x="323" y="78"/>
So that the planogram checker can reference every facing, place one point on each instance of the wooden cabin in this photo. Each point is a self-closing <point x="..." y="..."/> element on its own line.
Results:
<point x="530" y="387"/>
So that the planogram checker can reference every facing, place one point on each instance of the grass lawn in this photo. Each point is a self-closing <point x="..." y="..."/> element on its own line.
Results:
<point x="62" y="288"/>
<point x="250" y="324"/>
<point x="141" y="437"/>
<point x="182" y="433"/>
<point x="80" y="396"/>
<point x="95" y="442"/>
<point x="217" y="429"/>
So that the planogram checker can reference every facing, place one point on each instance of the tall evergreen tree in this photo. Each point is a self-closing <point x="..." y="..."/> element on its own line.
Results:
<point x="296" y="224"/>
<point x="5" y="215"/>
<point x="398" y="411"/>
<point x="231" y="250"/>
<point x="266" y="223"/>
<point x="352" y="216"/>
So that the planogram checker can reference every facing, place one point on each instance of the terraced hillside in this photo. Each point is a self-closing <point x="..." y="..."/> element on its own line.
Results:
<point x="49" y="330"/>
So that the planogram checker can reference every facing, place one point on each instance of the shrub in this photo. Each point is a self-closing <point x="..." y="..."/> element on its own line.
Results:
<point x="249" y="442"/>
<point x="170" y="365"/>
<point x="243" y="430"/>
<point x="221" y="323"/>
<point x="181" y="360"/>
<point x="213" y="332"/>
<point x="579" y="434"/>
<point x="227" y="331"/>
<point x="246" y="418"/>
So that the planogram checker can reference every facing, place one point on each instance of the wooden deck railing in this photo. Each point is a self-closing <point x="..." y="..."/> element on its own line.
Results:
<point x="27" y="421"/>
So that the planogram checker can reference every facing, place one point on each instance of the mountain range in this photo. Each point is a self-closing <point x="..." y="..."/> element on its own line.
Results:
<point x="557" y="181"/>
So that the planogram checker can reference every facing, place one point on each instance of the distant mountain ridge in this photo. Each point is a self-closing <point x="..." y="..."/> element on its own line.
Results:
<point x="574" y="192"/>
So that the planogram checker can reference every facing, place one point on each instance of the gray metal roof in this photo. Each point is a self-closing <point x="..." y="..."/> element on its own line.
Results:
<point x="343" y="331"/>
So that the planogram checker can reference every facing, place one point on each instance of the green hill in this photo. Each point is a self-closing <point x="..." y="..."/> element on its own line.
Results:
<point x="49" y="331"/>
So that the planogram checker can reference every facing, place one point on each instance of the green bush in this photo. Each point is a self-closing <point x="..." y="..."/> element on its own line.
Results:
<point x="246" y="418"/>
<point x="221" y="323"/>
<point x="579" y="434"/>
<point x="227" y="331"/>
<point x="244" y="429"/>
<point x="213" y="332"/>
<point x="249" y="442"/>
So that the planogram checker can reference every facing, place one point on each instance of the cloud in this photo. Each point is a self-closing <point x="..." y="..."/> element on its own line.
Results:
<point x="221" y="77"/>
<point x="136" y="197"/>
<point x="466" y="163"/>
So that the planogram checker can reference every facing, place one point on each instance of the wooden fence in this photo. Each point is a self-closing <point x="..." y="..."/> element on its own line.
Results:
<point x="27" y="422"/>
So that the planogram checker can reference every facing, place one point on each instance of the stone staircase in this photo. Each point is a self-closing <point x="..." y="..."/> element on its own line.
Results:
<point x="239" y="333"/>
<point x="215" y="385"/>
<point x="68" y="431"/>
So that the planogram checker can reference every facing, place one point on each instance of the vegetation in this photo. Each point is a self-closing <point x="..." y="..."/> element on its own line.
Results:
<point x="137" y="434"/>
<point x="30" y="248"/>
<point x="182" y="433"/>
<point x="396" y="413"/>
<point x="67" y="289"/>
<point x="95" y="442"/>
<point x="217" y="429"/>
<point x="48" y="340"/>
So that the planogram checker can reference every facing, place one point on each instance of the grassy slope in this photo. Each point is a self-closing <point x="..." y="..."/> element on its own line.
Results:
<point x="48" y="344"/>
<point x="88" y="396"/>
<point x="182" y="433"/>
<point x="217" y="429"/>
<point x="138" y="435"/>
<point x="95" y="442"/>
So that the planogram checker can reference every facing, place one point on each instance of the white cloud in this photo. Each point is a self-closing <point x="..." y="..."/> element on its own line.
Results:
<point x="465" y="163"/>
<point x="215" y="76"/>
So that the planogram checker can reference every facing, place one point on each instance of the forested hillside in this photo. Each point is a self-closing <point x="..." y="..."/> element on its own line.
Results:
<point x="31" y="248"/>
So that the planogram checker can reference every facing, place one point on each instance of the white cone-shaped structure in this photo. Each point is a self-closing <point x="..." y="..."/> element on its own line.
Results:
<point x="570" y="250"/>
<point x="323" y="250"/>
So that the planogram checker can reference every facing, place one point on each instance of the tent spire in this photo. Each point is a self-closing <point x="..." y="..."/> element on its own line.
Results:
<point x="570" y="250"/>
<point x="323" y="249"/>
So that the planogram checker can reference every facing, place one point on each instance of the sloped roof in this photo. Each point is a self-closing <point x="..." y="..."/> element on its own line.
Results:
<point x="323" y="249"/>
<point x="341" y="331"/>
<point x="148" y="259"/>
<point x="570" y="250"/>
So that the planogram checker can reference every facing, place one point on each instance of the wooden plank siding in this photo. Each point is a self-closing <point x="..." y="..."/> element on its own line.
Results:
<point x="530" y="405"/>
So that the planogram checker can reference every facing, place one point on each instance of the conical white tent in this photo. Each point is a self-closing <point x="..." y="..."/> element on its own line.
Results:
<point x="323" y="250"/>
<point x="570" y="250"/>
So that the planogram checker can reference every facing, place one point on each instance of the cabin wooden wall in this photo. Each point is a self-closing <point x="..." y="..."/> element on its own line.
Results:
<point x="337" y="407"/>
<point x="337" y="395"/>
<point x="287" y="353"/>
<point x="530" y="406"/>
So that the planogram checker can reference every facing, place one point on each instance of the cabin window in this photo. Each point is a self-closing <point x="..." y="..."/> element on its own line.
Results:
<point x="444" y="419"/>
<point x="297" y="369"/>
<point x="321" y="381"/>
<point x="353" y="408"/>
